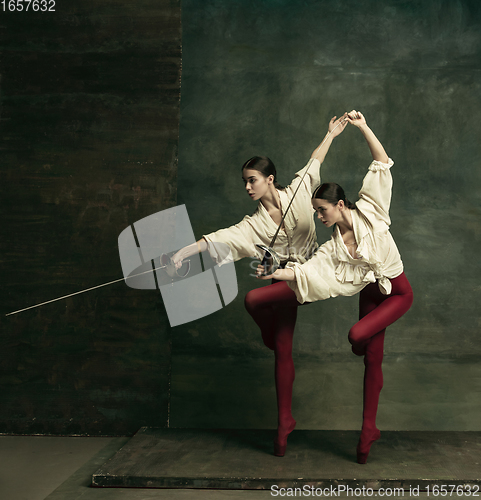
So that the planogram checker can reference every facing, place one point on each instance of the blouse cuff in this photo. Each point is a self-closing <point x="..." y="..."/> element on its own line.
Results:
<point x="376" y="165"/>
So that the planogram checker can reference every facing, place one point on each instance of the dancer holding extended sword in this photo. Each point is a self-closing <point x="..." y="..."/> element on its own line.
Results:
<point x="294" y="243"/>
<point x="361" y="256"/>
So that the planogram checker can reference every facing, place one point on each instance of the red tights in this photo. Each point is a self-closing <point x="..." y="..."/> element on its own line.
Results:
<point x="376" y="312"/>
<point x="274" y="309"/>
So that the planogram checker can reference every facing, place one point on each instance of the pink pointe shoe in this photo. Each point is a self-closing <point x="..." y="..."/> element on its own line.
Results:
<point x="280" y="445"/>
<point x="362" y="449"/>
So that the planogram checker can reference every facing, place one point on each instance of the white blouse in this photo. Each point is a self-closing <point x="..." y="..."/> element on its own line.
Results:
<point x="332" y="271"/>
<point x="295" y="244"/>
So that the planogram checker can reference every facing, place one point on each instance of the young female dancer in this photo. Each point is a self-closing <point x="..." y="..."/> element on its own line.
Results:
<point x="295" y="243"/>
<point x="361" y="256"/>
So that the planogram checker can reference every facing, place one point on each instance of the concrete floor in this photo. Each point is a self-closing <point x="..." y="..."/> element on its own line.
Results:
<point x="61" y="468"/>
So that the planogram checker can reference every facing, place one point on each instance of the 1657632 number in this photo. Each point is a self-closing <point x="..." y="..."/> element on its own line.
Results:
<point x="26" y="5"/>
<point x="452" y="490"/>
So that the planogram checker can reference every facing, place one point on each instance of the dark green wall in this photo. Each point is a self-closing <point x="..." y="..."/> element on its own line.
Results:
<point x="89" y="129"/>
<point x="264" y="77"/>
<point x="89" y="132"/>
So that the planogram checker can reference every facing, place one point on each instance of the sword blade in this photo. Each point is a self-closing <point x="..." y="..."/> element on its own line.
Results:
<point x="83" y="291"/>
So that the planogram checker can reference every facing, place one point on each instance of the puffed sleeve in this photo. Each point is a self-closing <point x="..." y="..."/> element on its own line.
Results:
<point x="238" y="238"/>
<point x="312" y="180"/>
<point x="313" y="277"/>
<point x="375" y="194"/>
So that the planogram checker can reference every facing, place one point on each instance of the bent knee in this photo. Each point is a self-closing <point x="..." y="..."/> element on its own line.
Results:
<point x="253" y="301"/>
<point x="250" y="300"/>
<point x="355" y="334"/>
<point x="409" y="300"/>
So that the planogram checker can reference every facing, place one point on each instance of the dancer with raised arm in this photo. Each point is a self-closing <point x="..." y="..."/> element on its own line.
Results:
<point x="296" y="242"/>
<point x="361" y="256"/>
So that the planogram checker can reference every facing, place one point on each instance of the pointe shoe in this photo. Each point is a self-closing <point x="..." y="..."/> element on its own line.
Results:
<point x="363" y="452"/>
<point x="279" y="449"/>
<point x="280" y="446"/>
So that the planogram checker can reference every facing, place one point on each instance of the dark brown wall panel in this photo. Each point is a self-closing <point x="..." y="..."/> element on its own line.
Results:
<point x="88" y="136"/>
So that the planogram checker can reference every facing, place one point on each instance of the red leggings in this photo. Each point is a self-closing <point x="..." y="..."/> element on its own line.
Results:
<point x="376" y="312"/>
<point x="274" y="309"/>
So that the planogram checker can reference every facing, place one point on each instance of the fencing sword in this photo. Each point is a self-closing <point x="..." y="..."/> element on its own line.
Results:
<point x="271" y="260"/>
<point x="166" y="263"/>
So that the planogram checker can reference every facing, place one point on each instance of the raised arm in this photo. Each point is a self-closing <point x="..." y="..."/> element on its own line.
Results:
<point x="335" y="128"/>
<point x="357" y="119"/>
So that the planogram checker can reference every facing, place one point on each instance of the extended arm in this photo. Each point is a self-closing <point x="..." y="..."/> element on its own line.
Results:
<point x="357" y="119"/>
<point x="335" y="128"/>
<point x="188" y="251"/>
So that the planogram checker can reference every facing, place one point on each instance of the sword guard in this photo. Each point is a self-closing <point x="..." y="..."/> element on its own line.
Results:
<point x="271" y="261"/>
<point x="168" y="264"/>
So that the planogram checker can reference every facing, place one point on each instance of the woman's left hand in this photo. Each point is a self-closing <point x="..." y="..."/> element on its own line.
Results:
<point x="340" y="123"/>
<point x="260" y="269"/>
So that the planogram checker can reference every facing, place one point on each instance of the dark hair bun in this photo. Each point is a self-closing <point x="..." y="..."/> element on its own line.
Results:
<point x="263" y="165"/>
<point x="333" y="193"/>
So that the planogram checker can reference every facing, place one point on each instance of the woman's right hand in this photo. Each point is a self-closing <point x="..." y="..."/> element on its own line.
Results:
<point x="189" y="250"/>
<point x="177" y="259"/>
<point x="337" y="126"/>
<point x="260" y="273"/>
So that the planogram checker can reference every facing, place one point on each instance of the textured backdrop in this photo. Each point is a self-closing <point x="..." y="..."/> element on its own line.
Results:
<point x="89" y="130"/>
<point x="265" y="77"/>
<point x="89" y="100"/>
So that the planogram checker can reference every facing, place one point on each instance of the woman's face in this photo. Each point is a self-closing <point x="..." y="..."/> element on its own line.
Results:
<point x="256" y="184"/>
<point x="328" y="213"/>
